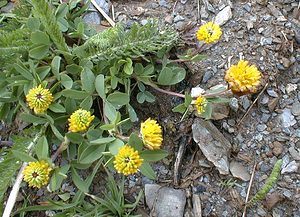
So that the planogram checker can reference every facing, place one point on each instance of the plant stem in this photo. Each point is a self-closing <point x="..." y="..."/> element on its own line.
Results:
<point x="63" y="146"/>
<point x="167" y="91"/>
<point x="15" y="190"/>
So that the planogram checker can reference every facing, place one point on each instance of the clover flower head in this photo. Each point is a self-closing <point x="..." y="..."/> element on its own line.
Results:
<point x="200" y="104"/>
<point x="243" y="78"/>
<point x="209" y="32"/>
<point x="152" y="134"/>
<point x="80" y="120"/>
<point x="127" y="161"/>
<point x="39" y="99"/>
<point x="36" y="174"/>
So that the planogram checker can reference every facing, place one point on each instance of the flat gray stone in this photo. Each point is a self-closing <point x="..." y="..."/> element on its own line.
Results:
<point x="239" y="171"/>
<point x="212" y="143"/>
<point x="223" y="16"/>
<point x="164" y="201"/>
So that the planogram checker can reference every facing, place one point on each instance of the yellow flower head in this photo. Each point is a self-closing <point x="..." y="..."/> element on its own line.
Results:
<point x="243" y="78"/>
<point x="36" y="174"/>
<point x="39" y="99"/>
<point x="200" y="104"/>
<point x="209" y="32"/>
<point x="151" y="134"/>
<point x="80" y="120"/>
<point x="127" y="161"/>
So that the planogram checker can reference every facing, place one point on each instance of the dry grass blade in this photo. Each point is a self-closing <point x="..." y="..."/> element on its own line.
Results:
<point x="111" y="22"/>
<point x="248" y="191"/>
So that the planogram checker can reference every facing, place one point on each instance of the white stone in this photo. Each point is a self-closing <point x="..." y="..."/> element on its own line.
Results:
<point x="223" y="16"/>
<point x="197" y="91"/>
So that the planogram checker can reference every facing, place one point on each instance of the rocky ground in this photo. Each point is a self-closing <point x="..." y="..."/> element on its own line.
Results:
<point x="267" y="33"/>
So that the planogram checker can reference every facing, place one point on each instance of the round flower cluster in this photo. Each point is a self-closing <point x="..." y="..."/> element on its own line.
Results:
<point x="243" y="78"/>
<point x="39" y="99"/>
<point x="80" y="120"/>
<point x="209" y="32"/>
<point x="127" y="161"/>
<point x="151" y="134"/>
<point x="36" y="174"/>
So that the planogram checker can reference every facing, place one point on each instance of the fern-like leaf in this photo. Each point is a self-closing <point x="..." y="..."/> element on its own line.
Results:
<point x="43" y="11"/>
<point x="117" y="42"/>
<point x="262" y="193"/>
<point x="9" y="165"/>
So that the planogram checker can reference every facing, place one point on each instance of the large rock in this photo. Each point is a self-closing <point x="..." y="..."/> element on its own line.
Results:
<point x="164" y="201"/>
<point x="212" y="143"/>
<point x="223" y="16"/>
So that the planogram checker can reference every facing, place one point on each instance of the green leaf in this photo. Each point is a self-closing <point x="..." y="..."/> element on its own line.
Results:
<point x="33" y="23"/>
<point x="40" y="38"/>
<point x="171" y="75"/>
<point x="100" y="86"/>
<point x="107" y="127"/>
<point x="75" y="94"/>
<point x="187" y="100"/>
<point x="91" y="153"/>
<point x="57" y="133"/>
<point x="88" y="80"/>
<point x="80" y="184"/>
<point x="103" y="140"/>
<point x="43" y="71"/>
<point x="136" y="142"/>
<point x="147" y="171"/>
<point x="57" y="177"/>
<point x="57" y="108"/>
<point x="110" y="111"/>
<point x="132" y="114"/>
<point x="74" y="69"/>
<point x="149" y="97"/>
<point x="141" y="97"/>
<point x="153" y="155"/>
<point x="138" y="69"/>
<point x="42" y="148"/>
<point x="23" y="156"/>
<point x="29" y="118"/>
<point x="208" y="111"/>
<point x="39" y="52"/>
<point x="218" y="100"/>
<point x="20" y="68"/>
<point x="87" y="103"/>
<point x="179" y="108"/>
<point x="148" y="70"/>
<point x="118" y="99"/>
<point x="66" y="81"/>
<point x="75" y="138"/>
<point x="55" y="66"/>
<point x="128" y="69"/>
<point x="114" y="146"/>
